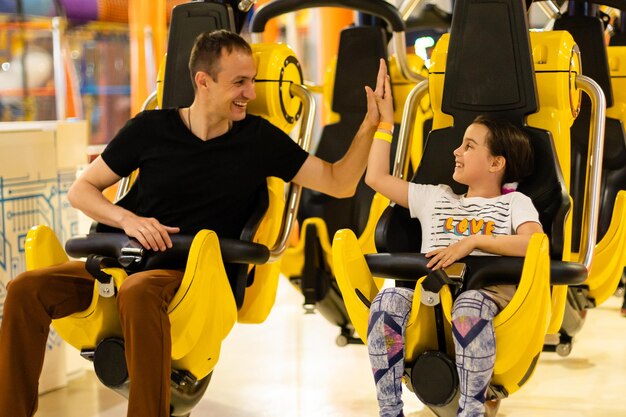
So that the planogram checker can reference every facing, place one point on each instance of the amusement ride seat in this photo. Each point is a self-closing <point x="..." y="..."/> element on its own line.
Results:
<point x="486" y="42"/>
<point x="225" y="280"/>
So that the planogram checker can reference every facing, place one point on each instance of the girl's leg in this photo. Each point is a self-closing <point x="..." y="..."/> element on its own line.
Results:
<point x="475" y="344"/>
<point x="385" y="343"/>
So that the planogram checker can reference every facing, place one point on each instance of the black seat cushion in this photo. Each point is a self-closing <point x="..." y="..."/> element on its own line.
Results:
<point x="481" y="271"/>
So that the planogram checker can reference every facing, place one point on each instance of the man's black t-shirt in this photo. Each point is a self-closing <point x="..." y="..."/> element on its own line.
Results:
<point x="194" y="184"/>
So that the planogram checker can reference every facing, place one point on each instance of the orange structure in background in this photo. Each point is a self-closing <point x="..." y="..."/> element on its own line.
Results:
<point x="146" y="18"/>
<point x="332" y="20"/>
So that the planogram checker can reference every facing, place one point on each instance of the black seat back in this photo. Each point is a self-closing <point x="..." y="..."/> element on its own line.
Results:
<point x="188" y="21"/>
<point x="360" y="49"/>
<point x="489" y="71"/>
<point x="588" y="32"/>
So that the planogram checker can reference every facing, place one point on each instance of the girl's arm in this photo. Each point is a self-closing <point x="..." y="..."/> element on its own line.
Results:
<point x="512" y="245"/>
<point x="377" y="175"/>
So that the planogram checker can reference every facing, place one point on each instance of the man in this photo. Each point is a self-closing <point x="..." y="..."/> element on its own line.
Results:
<point x="201" y="167"/>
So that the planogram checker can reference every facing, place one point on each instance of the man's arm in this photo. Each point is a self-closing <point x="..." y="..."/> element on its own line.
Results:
<point x="86" y="195"/>
<point x="341" y="178"/>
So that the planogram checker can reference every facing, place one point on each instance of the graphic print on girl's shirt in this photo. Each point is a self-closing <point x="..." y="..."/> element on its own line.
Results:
<point x="446" y="217"/>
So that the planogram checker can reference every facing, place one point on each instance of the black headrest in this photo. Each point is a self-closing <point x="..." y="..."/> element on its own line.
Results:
<point x="360" y="49"/>
<point x="588" y="32"/>
<point x="489" y="68"/>
<point x="188" y="21"/>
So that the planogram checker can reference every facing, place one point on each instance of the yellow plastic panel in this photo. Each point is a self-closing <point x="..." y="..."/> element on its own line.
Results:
<point x="435" y="82"/>
<point x="557" y="64"/>
<point x="42" y="248"/>
<point x="352" y="273"/>
<point x="366" y="240"/>
<point x="609" y="256"/>
<point x="159" y="81"/>
<point x="521" y="326"/>
<point x="203" y="311"/>
<point x="421" y="332"/>
<point x="402" y="86"/>
<point x="261" y="295"/>
<point x="559" y="298"/>
<point x="293" y="259"/>
<point x="617" y="66"/>
<point x="330" y="116"/>
<point x="85" y="329"/>
<point x="277" y="68"/>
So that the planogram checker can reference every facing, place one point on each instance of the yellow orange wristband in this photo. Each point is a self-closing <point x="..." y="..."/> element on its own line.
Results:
<point x="387" y="137"/>
<point x="386" y="126"/>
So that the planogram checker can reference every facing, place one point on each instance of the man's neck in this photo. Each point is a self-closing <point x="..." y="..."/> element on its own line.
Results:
<point x="204" y="124"/>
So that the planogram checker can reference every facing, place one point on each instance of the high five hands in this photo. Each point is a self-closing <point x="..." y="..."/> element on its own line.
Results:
<point x="380" y="100"/>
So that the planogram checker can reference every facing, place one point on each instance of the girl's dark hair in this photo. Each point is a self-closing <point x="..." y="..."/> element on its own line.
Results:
<point x="207" y="51"/>
<point x="509" y="141"/>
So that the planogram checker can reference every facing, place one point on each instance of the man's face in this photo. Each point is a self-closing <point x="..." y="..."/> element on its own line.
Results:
<point x="230" y="93"/>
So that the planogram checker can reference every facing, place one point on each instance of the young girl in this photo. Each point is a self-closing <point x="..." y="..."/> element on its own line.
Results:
<point x="493" y="152"/>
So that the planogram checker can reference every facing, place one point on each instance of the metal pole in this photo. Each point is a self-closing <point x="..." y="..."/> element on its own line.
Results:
<point x="591" y="205"/>
<point x="60" y="88"/>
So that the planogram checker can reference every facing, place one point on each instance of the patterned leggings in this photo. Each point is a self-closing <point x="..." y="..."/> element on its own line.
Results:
<point x="474" y="340"/>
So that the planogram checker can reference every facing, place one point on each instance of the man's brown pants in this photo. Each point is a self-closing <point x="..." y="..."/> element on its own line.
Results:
<point x="34" y="298"/>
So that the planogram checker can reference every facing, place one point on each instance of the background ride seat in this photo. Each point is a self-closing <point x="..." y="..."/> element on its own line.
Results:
<point x="308" y="264"/>
<point x="607" y="269"/>
<point x="481" y="45"/>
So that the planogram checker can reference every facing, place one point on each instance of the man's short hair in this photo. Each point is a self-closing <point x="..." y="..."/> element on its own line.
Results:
<point x="207" y="51"/>
<point x="509" y="141"/>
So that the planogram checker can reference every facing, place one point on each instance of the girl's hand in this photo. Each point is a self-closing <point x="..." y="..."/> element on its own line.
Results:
<point x="384" y="100"/>
<point x="444" y="257"/>
<point x="379" y="101"/>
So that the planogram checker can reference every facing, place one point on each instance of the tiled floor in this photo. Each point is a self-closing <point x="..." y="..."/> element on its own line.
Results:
<point x="290" y="366"/>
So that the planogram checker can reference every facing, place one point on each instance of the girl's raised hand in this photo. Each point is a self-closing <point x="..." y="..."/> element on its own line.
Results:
<point x="384" y="97"/>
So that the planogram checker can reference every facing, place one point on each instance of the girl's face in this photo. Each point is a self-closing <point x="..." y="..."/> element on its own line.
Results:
<point x="234" y="88"/>
<point x="473" y="160"/>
